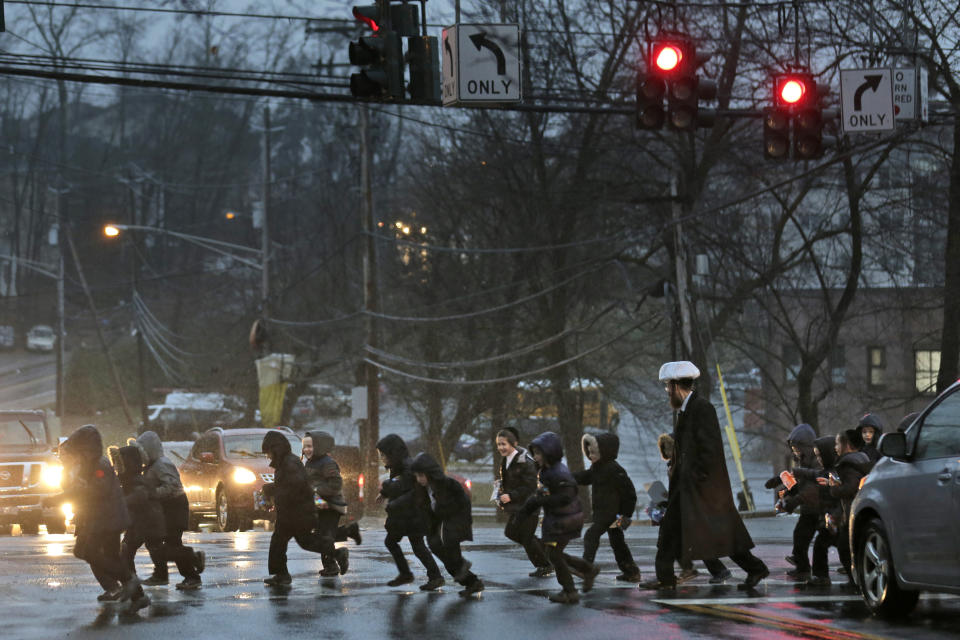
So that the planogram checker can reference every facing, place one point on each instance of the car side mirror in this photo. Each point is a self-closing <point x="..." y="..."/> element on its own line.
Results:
<point x="893" y="445"/>
<point x="207" y="457"/>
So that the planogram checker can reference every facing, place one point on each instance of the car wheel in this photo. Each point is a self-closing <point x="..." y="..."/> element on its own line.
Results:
<point x="878" y="579"/>
<point x="29" y="528"/>
<point x="226" y="521"/>
<point x="56" y="526"/>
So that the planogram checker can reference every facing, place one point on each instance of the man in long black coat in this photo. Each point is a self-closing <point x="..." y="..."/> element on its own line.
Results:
<point x="701" y="521"/>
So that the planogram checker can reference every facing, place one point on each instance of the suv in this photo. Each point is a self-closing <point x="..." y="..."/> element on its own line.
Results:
<point x="225" y="470"/>
<point x="905" y="521"/>
<point x="29" y="471"/>
<point x="41" y="338"/>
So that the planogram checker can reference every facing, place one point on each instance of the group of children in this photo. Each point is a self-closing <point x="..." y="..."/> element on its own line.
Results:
<point x="820" y="488"/>
<point x="141" y="497"/>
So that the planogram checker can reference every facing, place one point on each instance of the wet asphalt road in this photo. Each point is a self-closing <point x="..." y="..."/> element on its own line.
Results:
<point x="46" y="593"/>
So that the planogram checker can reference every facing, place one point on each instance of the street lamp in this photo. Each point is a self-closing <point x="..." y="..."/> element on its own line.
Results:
<point x="257" y="257"/>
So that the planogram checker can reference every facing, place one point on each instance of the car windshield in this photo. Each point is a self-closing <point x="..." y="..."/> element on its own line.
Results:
<point x="177" y="452"/>
<point x="42" y="332"/>
<point x="248" y="446"/>
<point x="22" y="431"/>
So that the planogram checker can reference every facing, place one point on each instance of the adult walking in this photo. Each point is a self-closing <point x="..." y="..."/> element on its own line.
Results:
<point x="701" y="521"/>
<point x="517" y="482"/>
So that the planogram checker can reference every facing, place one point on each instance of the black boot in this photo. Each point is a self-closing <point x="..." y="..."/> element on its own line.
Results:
<point x="353" y="531"/>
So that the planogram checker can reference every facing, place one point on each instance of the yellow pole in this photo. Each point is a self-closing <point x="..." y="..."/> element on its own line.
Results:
<point x="734" y="445"/>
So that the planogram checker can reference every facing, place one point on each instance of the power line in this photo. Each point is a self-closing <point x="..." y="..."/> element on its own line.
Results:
<point x="191" y="12"/>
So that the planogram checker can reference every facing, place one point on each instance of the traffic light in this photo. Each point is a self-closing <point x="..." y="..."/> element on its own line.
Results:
<point x="672" y="64"/>
<point x="380" y="55"/>
<point x="798" y="110"/>
<point x="423" y="55"/>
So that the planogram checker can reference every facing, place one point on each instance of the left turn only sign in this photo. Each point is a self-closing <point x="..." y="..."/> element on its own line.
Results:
<point x="481" y="64"/>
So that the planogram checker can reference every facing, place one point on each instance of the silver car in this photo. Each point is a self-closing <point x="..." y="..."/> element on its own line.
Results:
<point x="905" y="521"/>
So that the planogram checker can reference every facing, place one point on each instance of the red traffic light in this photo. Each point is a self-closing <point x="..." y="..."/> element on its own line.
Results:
<point x="368" y="16"/>
<point x="794" y="89"/>
<point x="667" y="56"/>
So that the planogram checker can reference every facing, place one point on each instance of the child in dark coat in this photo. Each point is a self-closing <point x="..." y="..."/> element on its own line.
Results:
<point x="517" y="482"/>
<point x="801" y="497"/>
<point x="451" y="521"/>
<point x="146" y="515"/>
<point x="292" y="498"/>
<point x="327" y="483"/>
<point x="852" y="464"/>
<point x="831" y="513"/>
<point x="166" y="490"/>
<point x="614" y="499"/>
<point x="101" y="515"/>
<point x="562" y="515"/>
<point x="407" y="514"/>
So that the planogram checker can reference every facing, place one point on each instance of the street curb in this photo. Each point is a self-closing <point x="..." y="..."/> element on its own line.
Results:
<point x="489" y="515"/>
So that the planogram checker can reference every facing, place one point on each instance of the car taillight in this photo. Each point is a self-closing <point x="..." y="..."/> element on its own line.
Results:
<point x="469" y="484"/>
<point x="360" y="486"/>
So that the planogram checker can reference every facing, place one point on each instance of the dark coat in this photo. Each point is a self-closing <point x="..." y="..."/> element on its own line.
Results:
<point x="828" y="456"/>
<point x="290" y="489"/>
<point x="851" y="467"/>
<point x="324" y="472"/>
<point x="92" y="487"/>
<point x="562" y="513"/>
<point x="519" y="480"/>
<point x="407" y="510"/>
<point x="711" y="527"/>
<point x="450" y="509"/>
<point x="146" y="514"/>
<point x="613" y="491"/>
<point x="163" y="481"/>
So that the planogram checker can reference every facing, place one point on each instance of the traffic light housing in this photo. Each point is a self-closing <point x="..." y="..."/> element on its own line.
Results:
<point x="672" y="64"/>
<point x="423" y="56"/>
<point x="797" y="116"/>
<point x="381" y="59"/>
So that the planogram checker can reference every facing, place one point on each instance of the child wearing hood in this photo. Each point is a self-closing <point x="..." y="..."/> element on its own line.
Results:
<point x="407" y="514"/>
<point x="844" y="483"/>
<point x="562" y="515"/>
<point x="101" y="515"/>
<point x="801" y="496"/>
<point x="327" y="483"/>
<point x="614" y="499"/>
<point x="870" y="429"/>
<point x="830" y="513"/>
<point x="296" y="512"/>
<point x="451" y="520"/>
<point x="163" y="484"/>
<point x="146" y="514"/>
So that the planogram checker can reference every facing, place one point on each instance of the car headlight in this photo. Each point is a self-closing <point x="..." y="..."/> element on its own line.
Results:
<point x="52" y="475"/>
<point x="244" y="476"/>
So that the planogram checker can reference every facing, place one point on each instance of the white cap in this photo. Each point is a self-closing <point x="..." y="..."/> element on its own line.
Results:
<point x="678" y="371"/>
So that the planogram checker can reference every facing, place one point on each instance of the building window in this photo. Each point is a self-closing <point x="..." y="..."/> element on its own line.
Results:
<point x="791" y="363"/>
<point x="838" y="365"/>
<point x="876" y="366"/>
<point x="927" y="364"/>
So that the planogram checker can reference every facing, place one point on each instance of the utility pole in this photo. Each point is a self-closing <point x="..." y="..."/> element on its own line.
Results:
<point x="265" y="228"/>
<point x="135" y="280"/>
<point x="680" y="258"/>
<point x="372" y="424"/>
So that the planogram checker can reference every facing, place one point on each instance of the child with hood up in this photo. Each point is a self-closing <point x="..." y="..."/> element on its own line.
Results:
<point x="831" y="513"/>
<point x="292" y="498"/>
<point x="451" y="520"/>
<point x="614" y="499"/>
<point x="146" y="514"/>
<point x="324" y="474"/>
<point x="164" y="486"/>
<point x="101" y="515"/>
<point x="407" y="514"/>
<point x="844" y="483"/>
<point x="802" y="496"/>
<point x="870" y="429"/>
<point x="562" y="515"/>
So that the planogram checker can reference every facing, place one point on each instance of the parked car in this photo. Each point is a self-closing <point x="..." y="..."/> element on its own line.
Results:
<point x="29" y="471"/>
<point x="7" y="337"/>
<point x="185" y="422"/>
<point x="41" y="338"/>
<point x="905" y="521"/>
<point x="225" y="471"/>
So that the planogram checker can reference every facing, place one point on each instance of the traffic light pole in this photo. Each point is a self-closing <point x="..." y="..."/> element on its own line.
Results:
<point x="265" y="230"/>
<point x="371" y="431"/>
<point x="681" y="269"/>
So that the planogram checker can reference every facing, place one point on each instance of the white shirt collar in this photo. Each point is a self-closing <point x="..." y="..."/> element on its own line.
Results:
<point x="512" y="456"/>
<point x="683" y="407"/>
